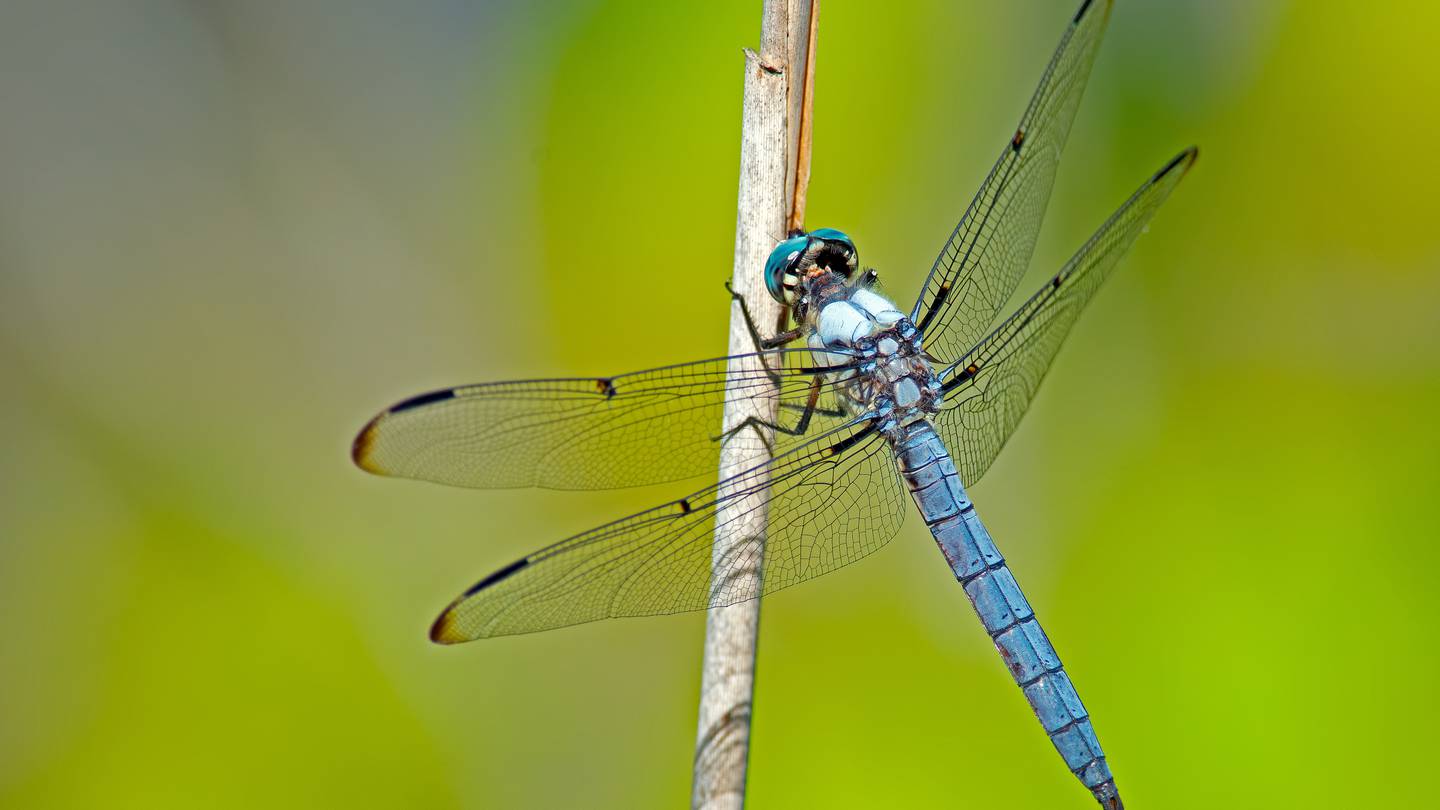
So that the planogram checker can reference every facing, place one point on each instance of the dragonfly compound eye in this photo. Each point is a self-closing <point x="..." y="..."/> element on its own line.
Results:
<point x="782" y="268"/>
<point x="839" y="246"/>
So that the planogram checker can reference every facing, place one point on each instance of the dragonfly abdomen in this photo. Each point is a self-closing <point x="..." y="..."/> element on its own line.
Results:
<point x="930" y="474"/>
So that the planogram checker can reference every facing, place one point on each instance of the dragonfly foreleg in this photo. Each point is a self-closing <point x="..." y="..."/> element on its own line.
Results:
<point x="808" y="410"/>
<point x="790" y="406"/>
<point x="763" y="343"/>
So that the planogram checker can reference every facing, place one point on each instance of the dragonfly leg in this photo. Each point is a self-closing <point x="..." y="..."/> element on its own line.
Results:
<point x="808" y="410"/>
<point x="763" y="344"/>
<point x="790" y="406"/>
<point x="782" y="335"/>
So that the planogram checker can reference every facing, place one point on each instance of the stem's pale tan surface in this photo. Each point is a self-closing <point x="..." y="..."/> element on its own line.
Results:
<point x="774" y="136"/>
<point x="801" y="99"/>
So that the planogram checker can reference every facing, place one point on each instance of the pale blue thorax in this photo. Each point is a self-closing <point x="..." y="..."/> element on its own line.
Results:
<point x="894" y="373"/>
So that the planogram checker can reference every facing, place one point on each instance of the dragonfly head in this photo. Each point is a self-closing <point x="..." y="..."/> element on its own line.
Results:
<point x="805" y="256"/>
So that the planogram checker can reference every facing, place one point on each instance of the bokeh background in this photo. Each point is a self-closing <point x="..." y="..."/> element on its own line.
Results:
<point x="231" y="232"/>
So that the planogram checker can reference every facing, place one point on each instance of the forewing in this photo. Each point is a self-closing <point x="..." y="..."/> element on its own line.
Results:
<point x="989" y="250"/>
<point x="830" y="501"/>
<point x="634" y="429"/>
<point x="989" y="390"/>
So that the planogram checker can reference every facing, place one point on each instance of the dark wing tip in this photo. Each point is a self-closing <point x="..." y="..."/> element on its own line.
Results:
<point x="1085" y="9"/>
<point x="445" y="630"/>
<point x="361" y="449"/>
<point x="364" y="443"/>
<point x="1184" y="161"/>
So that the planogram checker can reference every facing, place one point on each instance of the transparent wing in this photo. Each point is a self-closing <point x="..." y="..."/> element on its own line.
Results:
<point x="989" y="250"/>
<point x="830" y="501"/>
<point x="989" y="390"/>
<point x="646" y="427"/>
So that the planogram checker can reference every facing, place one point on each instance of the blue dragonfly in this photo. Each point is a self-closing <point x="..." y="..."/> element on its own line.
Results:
<point x="874" y="406"/>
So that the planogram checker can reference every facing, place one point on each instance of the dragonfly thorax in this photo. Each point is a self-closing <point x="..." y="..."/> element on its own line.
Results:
<point x="886" y="374"/>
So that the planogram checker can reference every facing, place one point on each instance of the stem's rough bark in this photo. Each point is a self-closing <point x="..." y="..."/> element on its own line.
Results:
<point x="774" y="168"/>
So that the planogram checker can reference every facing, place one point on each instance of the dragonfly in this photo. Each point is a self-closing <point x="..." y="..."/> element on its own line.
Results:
<point x="874" y="406"/>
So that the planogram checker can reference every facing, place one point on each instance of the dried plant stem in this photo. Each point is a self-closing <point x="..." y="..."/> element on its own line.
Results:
<point x="774" y="170"/>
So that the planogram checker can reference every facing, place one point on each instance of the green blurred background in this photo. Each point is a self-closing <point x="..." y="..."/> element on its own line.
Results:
<point x="229" y="233"/>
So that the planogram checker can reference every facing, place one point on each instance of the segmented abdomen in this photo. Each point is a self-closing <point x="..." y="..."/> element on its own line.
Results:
<point x="930" y="473"/>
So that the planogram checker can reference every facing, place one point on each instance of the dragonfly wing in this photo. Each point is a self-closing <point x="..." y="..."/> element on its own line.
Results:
<point x="647" y="427"/>
<point x="989" y="390"/>
<point x="829" y="501"/>
<point x="989" y="250"/>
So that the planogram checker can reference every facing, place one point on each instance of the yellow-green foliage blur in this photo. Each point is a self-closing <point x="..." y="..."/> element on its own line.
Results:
<point x="230" y="233"/>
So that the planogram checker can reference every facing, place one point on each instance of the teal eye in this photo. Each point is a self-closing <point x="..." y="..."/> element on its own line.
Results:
<point x="832" y="235"/>
<point x="852" y="256"/>
<point x="782" y="261"/>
